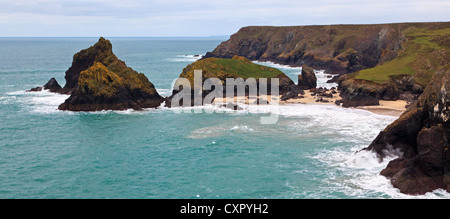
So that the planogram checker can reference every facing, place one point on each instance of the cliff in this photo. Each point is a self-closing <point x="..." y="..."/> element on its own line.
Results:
<point x="392" y="59"/>
<point x="98" y="80"/>
<point x="334" y="48"/>
<point x="425" y="50"/>
<point x="422" y="136"/>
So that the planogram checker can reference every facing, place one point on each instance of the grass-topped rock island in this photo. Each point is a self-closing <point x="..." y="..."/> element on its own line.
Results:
<point x="98" y="80"/>
<point x="233" y="68"/>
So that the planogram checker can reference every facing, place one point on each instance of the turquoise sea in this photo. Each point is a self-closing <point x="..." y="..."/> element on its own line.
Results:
<point x="311" y="152"/>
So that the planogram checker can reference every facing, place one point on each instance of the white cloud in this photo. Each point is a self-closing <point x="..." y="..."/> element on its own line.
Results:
<point x="199" y="17"/>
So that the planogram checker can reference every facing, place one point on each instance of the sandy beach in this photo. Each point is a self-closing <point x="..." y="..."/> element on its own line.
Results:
<point x="390" y="108"/>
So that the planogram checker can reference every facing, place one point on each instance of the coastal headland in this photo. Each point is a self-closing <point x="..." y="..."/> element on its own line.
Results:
<point x="395" y="69"/>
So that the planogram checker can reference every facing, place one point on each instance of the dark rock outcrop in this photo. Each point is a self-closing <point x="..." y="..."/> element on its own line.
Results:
<point x="307" y="79"/>
<point x="422" y="135"/>
<point x="98" y="80"/>
<point x="293" y="93"/>
<point x="35" y="89"/>
<point x="100" y="52"/>
<point x="51" y="85"/>
<point x="356" y="92"/>
<point x="232" y="106"/>
<point x="101" y="89"/>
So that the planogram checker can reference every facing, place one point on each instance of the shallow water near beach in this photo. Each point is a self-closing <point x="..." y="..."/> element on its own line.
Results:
<point x="311" y="152"/>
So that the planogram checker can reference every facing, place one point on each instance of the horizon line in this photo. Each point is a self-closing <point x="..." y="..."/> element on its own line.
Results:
<point x="215" y="36"/>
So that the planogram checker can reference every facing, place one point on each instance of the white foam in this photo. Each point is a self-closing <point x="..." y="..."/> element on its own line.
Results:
<point x="358" y="174"/>
<point x="46" y="102"/>
<point x="185" y="58"/>
<point x="242" y="128"/>
<point x="207" y="132"/>
<point x="164" y="92"/>
<point x="334" y="119"/>
<point x="43" y="102"/>
<point x="279" y="66"/>
<point x="20" y="92"/>
<point x="331" y="119"/>
<point x="7" y="100"/>
<point x="322" y="77"/>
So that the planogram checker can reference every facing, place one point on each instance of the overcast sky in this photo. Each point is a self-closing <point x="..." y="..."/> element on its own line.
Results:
<point x="140" y="18"/>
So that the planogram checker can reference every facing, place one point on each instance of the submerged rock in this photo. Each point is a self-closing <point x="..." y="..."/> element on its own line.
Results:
<point x="36" y="89"/>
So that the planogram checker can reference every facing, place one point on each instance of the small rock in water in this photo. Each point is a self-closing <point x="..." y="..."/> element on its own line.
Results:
<point x="36" y="89"/>
<point x="232" y="106"/>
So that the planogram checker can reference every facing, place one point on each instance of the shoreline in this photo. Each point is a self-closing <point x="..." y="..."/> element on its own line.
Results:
<point x="386" y="108"/>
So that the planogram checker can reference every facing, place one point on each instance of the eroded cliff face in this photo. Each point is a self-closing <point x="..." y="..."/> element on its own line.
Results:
<point x="422" y="135"/>
<point x="335" y="48"/>
<point x="359" y="92"/>
<point x="100" y="52"/>
<point x="99" y="88"/>
<point x="386" y="61"/>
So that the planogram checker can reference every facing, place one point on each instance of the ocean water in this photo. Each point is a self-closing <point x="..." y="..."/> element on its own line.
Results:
<point x="311" y="152"/>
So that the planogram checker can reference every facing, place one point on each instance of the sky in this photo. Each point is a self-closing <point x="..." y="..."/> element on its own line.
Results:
<point x="199" y="18"/>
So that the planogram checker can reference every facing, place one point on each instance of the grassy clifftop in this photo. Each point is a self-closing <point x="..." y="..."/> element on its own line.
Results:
<point x="236" y="67"/>
<point x="424" y="52"/>
<point x="382" y="61"/>
<point x="344" y="48"/>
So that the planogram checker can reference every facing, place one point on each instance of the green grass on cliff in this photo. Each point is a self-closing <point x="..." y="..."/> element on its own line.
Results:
<point x="424" y="52"/>
<point x="246" y="69"/>
<point x="230" y="68"/>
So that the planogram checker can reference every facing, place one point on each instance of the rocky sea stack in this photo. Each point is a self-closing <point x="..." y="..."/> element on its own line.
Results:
<point x="235" y="67"/>
<point x="98" y="80"/>
<point x="307" y="79"/>
<point x="421" y="136"/>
